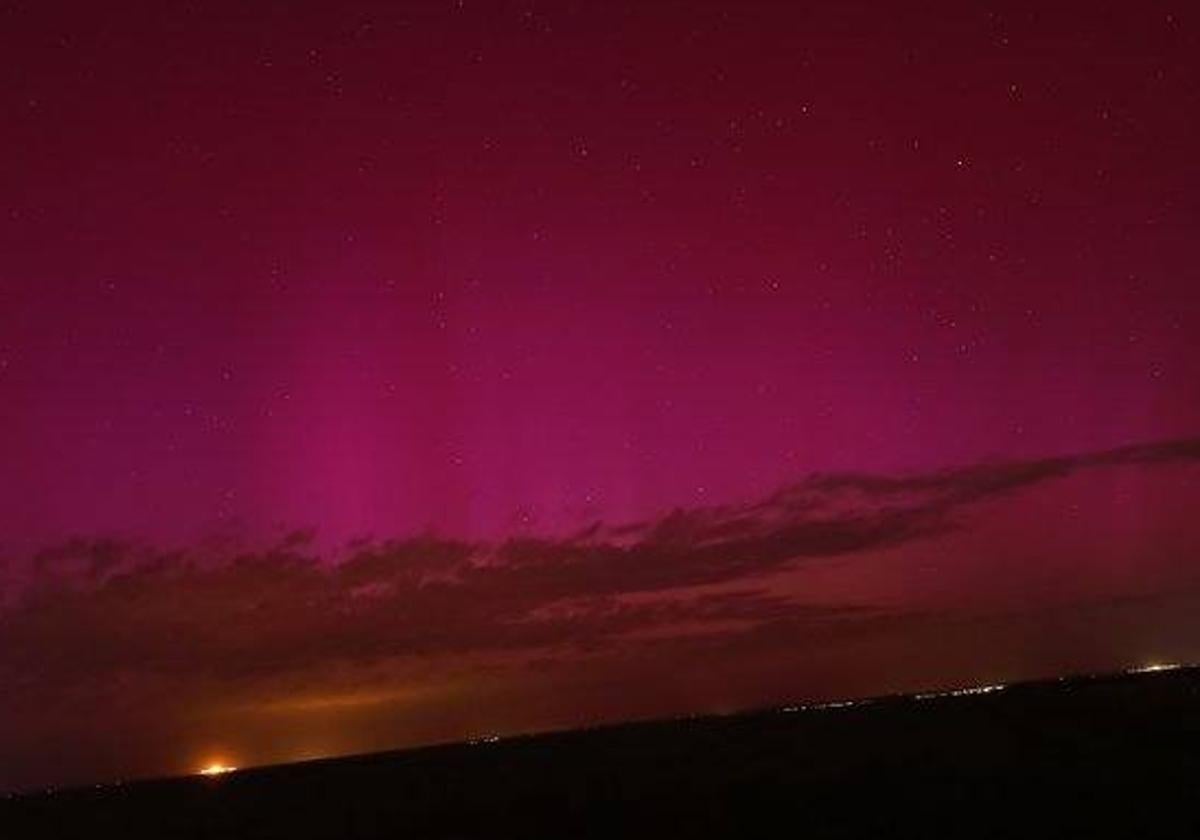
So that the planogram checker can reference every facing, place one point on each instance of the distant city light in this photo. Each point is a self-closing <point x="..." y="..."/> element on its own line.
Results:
<point x="978" y="689"/>
<point x="962" y="692"/>
<point x="216" y="769"/>
<point x="1154" y="667"/>
<point x="966" y="691"/>
<point x="840" y="704"/>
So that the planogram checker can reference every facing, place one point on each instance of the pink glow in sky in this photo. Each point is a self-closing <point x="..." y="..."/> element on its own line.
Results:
<point x="457" y="291"/>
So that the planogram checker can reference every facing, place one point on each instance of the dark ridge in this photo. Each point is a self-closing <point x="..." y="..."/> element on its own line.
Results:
<point x="1102" y="755"/>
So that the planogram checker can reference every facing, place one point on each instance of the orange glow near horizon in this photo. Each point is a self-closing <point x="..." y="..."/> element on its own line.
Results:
<point x="216" y="769"/>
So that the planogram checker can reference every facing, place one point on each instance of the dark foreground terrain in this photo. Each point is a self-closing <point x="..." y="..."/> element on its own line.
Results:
<point x="1103" y="756"/>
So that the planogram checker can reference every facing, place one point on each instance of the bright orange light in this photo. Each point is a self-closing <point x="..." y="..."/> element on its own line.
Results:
<point x="216" y="769"/>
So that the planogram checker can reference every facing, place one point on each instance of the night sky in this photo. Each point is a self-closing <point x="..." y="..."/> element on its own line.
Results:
<point x="375" y="374"/>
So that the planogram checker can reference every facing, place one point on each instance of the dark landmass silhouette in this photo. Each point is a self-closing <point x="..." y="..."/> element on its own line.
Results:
<point x="1088" y="756"/>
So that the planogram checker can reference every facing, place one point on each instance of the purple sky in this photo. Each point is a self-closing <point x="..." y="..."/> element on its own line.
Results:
<point x="449" y="284"/>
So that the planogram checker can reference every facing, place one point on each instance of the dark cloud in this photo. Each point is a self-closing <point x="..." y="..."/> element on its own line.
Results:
<point x="95" y="608"/>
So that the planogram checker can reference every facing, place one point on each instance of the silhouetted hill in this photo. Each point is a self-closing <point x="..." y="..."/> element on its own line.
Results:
<point x="1115" y="756"/>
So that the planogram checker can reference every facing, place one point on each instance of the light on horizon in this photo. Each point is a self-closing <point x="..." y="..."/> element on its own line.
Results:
<point x="216" y="769"/>
<point x="1155" y="667"/>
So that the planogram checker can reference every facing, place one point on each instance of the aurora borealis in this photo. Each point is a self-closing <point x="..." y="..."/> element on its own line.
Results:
<point x="374" y="374"/>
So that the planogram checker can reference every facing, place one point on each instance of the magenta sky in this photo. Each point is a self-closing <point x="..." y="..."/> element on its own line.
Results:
<point x="525" y="313"/>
